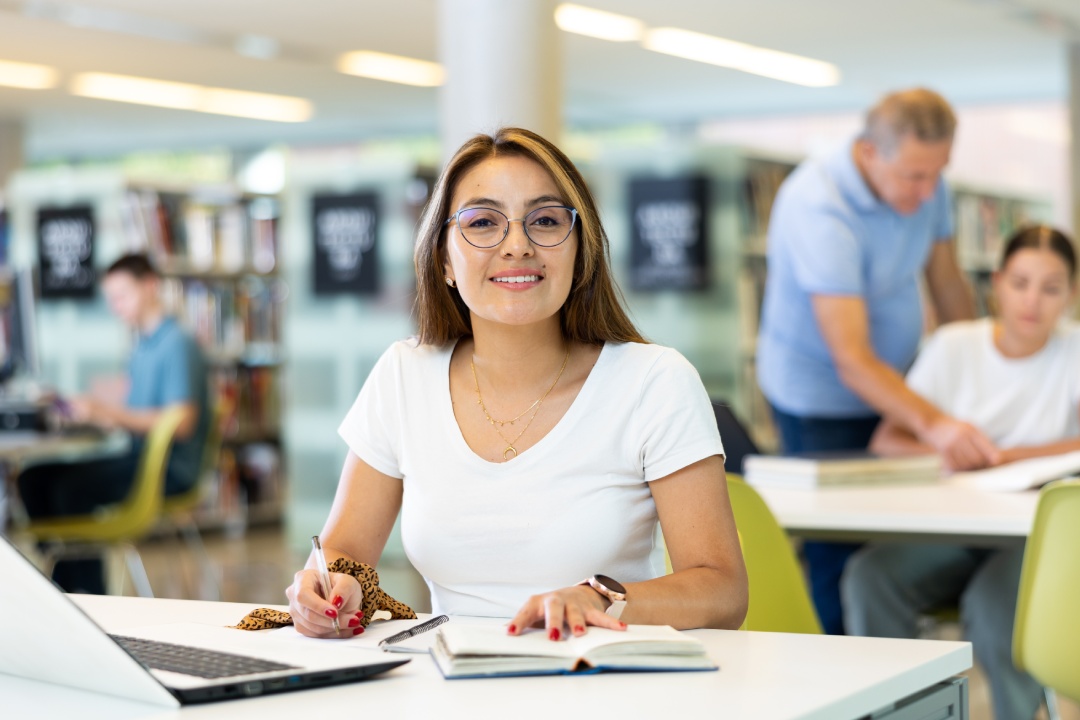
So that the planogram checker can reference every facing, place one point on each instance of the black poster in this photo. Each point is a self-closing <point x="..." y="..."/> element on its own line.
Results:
<point x="66" y="252"/>
<point x="345" y="229"/>
<point x="669" y="221"/>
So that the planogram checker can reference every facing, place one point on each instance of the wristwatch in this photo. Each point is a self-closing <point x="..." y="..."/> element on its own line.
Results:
<point x="612" y="590"/>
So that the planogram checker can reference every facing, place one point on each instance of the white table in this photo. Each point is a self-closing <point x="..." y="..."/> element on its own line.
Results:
<point x="930" y="513"/>
<point x="764" y="676"/>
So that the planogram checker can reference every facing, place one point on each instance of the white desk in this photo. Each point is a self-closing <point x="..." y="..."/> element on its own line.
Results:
<point x="930" y="513"/>
<point x="763" y="676"/>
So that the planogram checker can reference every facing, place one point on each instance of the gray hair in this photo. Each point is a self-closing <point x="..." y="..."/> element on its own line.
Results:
<point x="918" y="113"/>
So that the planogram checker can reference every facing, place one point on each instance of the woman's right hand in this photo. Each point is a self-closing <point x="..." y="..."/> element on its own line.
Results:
<point x="314" y="615"/>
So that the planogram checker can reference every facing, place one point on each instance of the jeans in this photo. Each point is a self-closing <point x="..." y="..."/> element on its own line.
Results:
<point x="825" y="560"/>
<point x="887" y="587"/>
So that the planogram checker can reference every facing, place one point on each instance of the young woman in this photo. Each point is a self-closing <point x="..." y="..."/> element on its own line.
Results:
<point x="1017" y="378"/>
<point x="529" y="436"/>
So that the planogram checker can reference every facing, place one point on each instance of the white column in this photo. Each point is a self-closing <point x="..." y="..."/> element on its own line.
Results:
<point x="503" y="67"/>
<point x="11" y="151"/>
<point x="1074" y="127"/>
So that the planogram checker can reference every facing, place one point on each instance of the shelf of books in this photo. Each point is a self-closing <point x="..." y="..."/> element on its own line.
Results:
<point x="984" y="221"/>
<point x="761" y="181"/>
<point x="218" y="252"/>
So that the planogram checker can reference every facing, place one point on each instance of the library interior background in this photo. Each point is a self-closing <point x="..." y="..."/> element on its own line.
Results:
<point x="273" y="158"/>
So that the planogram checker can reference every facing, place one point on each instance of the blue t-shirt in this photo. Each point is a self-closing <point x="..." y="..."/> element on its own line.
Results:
<point x="167" y="368"/>
<point x="830" y="235"/>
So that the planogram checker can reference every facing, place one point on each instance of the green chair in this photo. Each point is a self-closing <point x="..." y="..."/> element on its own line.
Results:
<point x="1046" y="636"/>
<point x="111" y="531"/>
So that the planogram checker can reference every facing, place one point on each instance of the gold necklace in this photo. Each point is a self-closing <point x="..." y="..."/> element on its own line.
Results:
<point x="535" y="407"/>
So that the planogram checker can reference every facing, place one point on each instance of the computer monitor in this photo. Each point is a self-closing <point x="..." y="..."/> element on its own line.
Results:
<point x="18" y="335"/>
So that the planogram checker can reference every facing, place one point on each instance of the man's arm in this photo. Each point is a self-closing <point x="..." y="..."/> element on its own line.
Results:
<point x="846" y="329"/>
<point x="948" y="287"/>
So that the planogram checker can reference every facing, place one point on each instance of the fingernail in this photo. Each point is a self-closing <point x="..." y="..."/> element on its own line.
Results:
<point x="579" y="629"/>
<point x="622" y="624"/>
<point x="512" y="629"/>
<point x="338" y="602"/>
<point x="331" y="612"/>
<point x="359" y="613"/>
<point x="355" y="622"/>
<point x="554" y="634"/>
<point x="357" y="631"/>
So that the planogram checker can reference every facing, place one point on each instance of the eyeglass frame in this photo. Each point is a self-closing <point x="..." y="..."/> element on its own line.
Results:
<point x="506" y="231"/>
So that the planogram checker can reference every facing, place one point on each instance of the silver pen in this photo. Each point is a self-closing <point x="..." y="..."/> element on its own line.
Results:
<point x="324" y="575"/>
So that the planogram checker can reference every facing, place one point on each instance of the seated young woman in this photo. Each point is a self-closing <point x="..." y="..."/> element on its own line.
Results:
<point x="528" y="435"/>
<point x="1016" y="377"/>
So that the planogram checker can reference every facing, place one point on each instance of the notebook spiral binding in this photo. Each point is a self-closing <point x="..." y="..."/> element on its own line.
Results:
<point x="415" y="630"/>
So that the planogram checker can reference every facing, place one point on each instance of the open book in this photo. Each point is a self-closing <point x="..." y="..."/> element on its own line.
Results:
<point x="810" y="470"/>
<point x="1021" y="475"/>
<point x="463" y="651"/>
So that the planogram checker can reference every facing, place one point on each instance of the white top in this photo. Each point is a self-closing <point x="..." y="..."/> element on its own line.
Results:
<point x="1017" y="402"/>
<point x="485" y="535"/>
<point x="765" y="676"/>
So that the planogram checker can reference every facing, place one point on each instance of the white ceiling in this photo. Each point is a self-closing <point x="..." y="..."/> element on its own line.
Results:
<point x="974" y="51"/>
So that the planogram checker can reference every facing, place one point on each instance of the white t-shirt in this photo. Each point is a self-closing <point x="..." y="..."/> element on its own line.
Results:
<point x="1016" y="401"/>
<point x="485" y="535"/>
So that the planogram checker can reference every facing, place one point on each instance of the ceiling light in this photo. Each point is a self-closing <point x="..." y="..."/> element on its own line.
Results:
<point x="597" y="23"/>
<point x="740" y="56"/>
<point x="392" y="68"/>
<point x="27" y="75"/>
<point x="186" y="96"/>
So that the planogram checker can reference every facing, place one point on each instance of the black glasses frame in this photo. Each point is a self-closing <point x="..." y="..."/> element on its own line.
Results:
<point x="455" y="219"/>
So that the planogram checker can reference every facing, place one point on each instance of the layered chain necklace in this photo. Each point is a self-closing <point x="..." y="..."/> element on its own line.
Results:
<point x="534" y="408"/>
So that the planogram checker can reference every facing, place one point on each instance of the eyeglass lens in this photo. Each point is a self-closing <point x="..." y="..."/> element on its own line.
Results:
<point x="486" y="227"/>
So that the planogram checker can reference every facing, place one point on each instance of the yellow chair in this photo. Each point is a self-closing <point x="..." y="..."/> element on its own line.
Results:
<point x="112" y="530"/>
<point x="779" y="601"/>
<point x="1046" y="636"/>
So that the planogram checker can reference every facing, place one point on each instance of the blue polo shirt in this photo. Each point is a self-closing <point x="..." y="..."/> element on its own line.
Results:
<point x="829" y="235"/>
<point x="166" y="368"/>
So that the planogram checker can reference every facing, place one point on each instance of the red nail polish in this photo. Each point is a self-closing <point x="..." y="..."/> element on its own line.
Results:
<point x="512" y="629"/>
<point x="579" y="629"/>
<point x="357" y="631"/>
<point x="622" y="624"/>
<point x="360" y="613"/>
<point x="355" y="622"/>
<point x="554" y="634"/>
<point x="331" y="612"/>
<point x="338" y="602"/>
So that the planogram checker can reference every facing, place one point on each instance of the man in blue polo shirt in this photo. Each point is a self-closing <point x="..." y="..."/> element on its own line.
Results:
<point x="166" y="370"/>
<point x="849" y="239"/>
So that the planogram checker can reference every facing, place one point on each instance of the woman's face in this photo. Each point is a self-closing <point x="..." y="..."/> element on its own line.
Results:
<point x="516" y="282"/>
<point x="1033" y="290"/>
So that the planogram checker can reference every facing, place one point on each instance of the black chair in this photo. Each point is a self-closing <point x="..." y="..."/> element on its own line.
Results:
<point x="737" y="441"/>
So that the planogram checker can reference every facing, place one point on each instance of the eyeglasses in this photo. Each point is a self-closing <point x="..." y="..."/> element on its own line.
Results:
<point x="486" y="227"/>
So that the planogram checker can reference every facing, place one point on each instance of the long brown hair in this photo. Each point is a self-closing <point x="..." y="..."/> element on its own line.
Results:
<point x="593" y="313"/>
<point x="1042" y="237"/>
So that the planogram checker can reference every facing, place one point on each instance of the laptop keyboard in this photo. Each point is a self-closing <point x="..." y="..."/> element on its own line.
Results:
<point x="209" y="664"/>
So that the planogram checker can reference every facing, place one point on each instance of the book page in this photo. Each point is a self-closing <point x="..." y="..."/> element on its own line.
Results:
<point x="489" y="640"/>
<point x="1022" y="475"/>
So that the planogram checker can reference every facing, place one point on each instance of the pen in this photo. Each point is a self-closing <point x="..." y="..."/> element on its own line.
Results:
<point x="324" y="574"/>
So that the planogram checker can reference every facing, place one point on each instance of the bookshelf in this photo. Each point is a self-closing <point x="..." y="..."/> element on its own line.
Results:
<point x="218" y="254"/>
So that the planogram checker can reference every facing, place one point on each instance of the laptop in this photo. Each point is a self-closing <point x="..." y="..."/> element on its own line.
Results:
<point x="45" y="636"/>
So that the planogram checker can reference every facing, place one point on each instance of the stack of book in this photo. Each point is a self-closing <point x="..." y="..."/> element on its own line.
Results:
<point x="811" y="470"/>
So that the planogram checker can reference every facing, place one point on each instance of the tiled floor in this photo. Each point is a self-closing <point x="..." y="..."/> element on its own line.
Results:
<point x="257" y="567"/>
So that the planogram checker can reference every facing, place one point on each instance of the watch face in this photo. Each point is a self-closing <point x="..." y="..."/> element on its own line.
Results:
<point x="612" y="585"/>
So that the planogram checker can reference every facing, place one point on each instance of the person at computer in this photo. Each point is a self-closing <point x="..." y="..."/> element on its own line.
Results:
<point x="1017" y="378"/>
<point x="529" y="435"/>
<point x="166" y="370"/>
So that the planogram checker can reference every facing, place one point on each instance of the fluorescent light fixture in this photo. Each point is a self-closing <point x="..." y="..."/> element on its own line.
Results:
<point x="597" y="23"/>
<point x="740" y="56"/>
<point x="391" y="68"/>
<point x="27" y="75"/>
<point x="186" y="96"/>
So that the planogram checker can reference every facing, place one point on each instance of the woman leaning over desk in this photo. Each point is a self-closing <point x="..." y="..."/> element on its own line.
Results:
<point x="1016" y="378"/>
<point x="529" y="436"/>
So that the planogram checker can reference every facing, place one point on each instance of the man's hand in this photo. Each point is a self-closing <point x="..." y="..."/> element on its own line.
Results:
<point x="962" y="445"/>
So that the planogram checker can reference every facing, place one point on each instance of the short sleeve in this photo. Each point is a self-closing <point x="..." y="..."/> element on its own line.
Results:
<point x="675" y="419"/>
<point x="928" y="375"/>
<point x="944" y="221"/>
<point x="826" y="255"/>
<point x="369" y="428"/>
<point x="178" y="383"/>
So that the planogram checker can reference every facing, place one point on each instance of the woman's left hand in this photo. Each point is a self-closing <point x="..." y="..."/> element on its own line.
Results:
<point x="556" y="611"/>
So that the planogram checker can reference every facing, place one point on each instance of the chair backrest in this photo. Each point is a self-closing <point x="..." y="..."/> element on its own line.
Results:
<point x="221" y="412"/>
<point x="737" y="441"/>
<point x="140" y="509"/>
<point x="1046" y="637"/>
<point x="779" y="601"/>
